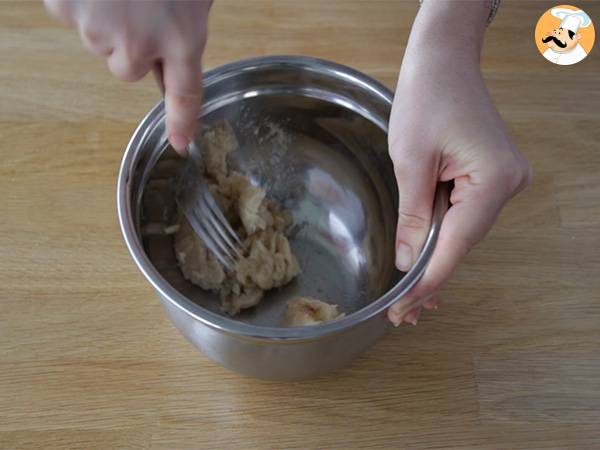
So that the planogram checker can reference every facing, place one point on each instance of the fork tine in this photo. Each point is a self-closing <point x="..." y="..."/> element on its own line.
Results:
<point x="195" y="198"/>
<point x="223" y="227"/>
<point x="199" y="215"/>
<point x="218" y="236"/>
<point x="199" y="228"/>
<point x="212" y="229"/>
<point x="214" y="207"/>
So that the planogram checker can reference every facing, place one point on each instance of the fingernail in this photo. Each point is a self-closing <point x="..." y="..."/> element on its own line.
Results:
<point x="413" y="316"/>
<point x="403" y="257"/>
<point x="410" y="317"/>
<point x="414" y="319"/>
<point x="430" y="303"/>
<point x="178" y="142"/>
<point x="394" y="318"/>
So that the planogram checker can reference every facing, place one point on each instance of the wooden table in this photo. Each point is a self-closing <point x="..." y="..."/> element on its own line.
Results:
<point x="89" y="360"/>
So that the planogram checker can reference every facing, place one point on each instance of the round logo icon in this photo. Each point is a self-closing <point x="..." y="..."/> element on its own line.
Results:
<point x="564" y="35"/>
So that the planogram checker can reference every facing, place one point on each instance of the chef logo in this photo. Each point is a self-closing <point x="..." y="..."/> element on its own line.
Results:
<point x="564" y="35"/>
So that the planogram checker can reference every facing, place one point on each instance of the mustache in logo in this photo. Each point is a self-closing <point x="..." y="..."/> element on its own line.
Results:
<point x="555" y="40"/>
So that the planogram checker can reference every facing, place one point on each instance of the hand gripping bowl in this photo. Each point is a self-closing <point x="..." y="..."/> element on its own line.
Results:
<point x="313" y="134"/>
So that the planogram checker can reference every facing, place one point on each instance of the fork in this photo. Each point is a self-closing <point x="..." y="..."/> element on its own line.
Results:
<point x="195" y="199"/>
<point x="198" y="204"/>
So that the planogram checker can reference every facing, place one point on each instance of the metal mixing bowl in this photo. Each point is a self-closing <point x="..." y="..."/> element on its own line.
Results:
<point x="314" y="135"/>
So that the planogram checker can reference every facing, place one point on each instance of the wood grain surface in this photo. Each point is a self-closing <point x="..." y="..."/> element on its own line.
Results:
<point x="88" y="359"/>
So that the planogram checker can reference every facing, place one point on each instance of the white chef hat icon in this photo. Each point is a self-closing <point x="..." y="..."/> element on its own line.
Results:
<point x="570" y="19"/>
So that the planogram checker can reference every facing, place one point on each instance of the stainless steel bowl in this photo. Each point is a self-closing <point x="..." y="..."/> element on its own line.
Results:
<point x="314" y="134"/>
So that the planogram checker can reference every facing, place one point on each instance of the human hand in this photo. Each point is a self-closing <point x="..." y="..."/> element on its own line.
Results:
<point x="445" y="127"/>
<point x="135" y="36"/>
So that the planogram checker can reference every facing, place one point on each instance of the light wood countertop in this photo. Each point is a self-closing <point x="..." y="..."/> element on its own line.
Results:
<point x="88" y="359"/>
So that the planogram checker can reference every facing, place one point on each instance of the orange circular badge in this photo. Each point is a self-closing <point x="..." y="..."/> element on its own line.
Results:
<point x="565" y="35"/>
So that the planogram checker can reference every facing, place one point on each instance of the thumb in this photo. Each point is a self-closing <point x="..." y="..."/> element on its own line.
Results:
<point x="183" y="100"/>
<point x="471" y="216"/>
<point x="416" y="178"/>
<point x="473" y="212"/>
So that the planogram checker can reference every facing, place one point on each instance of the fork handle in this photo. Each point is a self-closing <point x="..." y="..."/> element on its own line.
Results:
<point x="157" y="70"/>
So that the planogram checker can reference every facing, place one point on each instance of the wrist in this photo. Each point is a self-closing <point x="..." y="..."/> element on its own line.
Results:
<point x="455" y="26"/>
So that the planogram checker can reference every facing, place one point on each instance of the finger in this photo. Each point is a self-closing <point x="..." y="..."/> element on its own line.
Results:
<point x="393" y="317"/>
<point x="127" y="64"/>
<point x="416" y="177"/>
<point x="430" y="304"/>
<point x="183" y="99"/>
<point x="410" y="317"/>
<point x="413" y="316"/>
<point x="62" y="9"/>
<point x="95" y="42"/>
<point x="468" y="220"/>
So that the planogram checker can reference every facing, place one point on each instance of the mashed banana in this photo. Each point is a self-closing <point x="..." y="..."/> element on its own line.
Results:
<point x="267" y="261"/>
<point x="304" y="311"/>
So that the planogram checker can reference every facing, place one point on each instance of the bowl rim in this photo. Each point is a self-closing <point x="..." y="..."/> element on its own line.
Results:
<point x="230" y="325"/>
